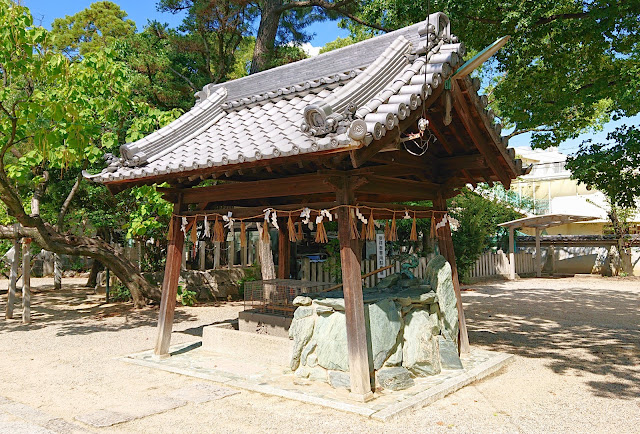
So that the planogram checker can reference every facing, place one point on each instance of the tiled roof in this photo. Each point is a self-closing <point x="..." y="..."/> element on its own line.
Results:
<point x="342" y="99"/>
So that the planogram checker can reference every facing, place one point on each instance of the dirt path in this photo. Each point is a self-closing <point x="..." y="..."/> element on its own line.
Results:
<point x="577" y="366"/>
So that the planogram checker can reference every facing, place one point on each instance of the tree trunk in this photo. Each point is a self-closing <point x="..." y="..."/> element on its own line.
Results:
<point x="57" y="271"/>
<point x="96" y="267"/>
<point x="267" y="267"/>
<point x="625" y="258"/>
<point x="49" y="238"/>
<point x="46" y="236"/>
<point x="621" y="230"/>
<point x="270" y="13"/>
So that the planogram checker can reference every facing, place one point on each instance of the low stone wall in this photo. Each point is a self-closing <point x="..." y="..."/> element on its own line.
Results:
<point x="412" y="329"/>
<point x="208" y="284"/>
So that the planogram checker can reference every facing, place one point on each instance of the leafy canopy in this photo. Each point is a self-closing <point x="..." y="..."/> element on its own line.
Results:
<point x="612" y="167"/>
<point x="91" y="30"/>
<point x="570" y="66"/>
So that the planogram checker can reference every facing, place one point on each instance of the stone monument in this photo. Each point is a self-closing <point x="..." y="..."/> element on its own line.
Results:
<point x="412" y="330"/>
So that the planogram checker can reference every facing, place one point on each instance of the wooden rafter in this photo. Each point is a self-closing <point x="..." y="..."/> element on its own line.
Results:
<point x="478" y="139"/>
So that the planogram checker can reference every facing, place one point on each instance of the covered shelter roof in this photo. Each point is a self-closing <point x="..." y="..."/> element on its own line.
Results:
<point x="538" y="222"/>
<point x="350" y="111"/>
<point x="546" y="221"/>
<point x="389" y="119"/>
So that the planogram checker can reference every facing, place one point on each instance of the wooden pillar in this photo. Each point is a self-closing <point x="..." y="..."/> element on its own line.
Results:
<point x="512" y="255"/>
<point x="359" y="369"/>
<point x="244" y="254"/>
<point x="216" y="255"/>
<point x="170" y="286"/>
<point x="57" y="271"/>
<point x="231" y="249"/>
<point x="538" y="254"/>
<point x="445" y="243"/>
<point x="201" y="255"/>
<point x="284" y="250"/>
<point x="138" y="247"/>
<point x="13" y="278"/>
<point x="26" y="281"/>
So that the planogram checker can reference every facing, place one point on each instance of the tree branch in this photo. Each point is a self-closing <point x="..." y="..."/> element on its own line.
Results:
<point x="530" y="130"/>
<point x="364" y="23"/>
<point x="337" y="7"/>
<point x="67" y="202"/>
<point x="193" y="86"/>
<point x="482" y="20"/>
<point x="554" y="17"/>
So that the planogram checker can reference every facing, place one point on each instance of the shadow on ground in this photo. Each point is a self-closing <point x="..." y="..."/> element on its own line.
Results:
<point x="577" y="329"/>
<point x="72" y="306"/>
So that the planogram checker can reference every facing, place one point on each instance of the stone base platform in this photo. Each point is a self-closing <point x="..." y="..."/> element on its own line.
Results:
<point x="242" y="364"/>
<point x="258" y="322"/>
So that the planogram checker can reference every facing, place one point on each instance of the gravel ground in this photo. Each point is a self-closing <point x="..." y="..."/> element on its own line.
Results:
<point x="576" y="368"/>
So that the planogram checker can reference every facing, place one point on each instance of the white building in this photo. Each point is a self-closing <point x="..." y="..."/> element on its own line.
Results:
<point x="550" y="190"/>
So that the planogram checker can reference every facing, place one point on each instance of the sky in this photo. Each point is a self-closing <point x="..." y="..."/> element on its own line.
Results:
<point x="140" y="11"/>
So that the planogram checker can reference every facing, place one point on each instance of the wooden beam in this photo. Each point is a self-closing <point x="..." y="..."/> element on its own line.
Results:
<point x="13" y="277"/>
<point x="512" y="254"/>
<point x="458" y="162"/>
<point x="479" y="140"/>
<point x="292" y="186"/>
<point x="466" y="87"/>
<point x="170" y="285"/>
<point x="399" y="187"/>
<point x="439" y="135"/>
<point x="362" y="155"/>
<point x="358" y="349"/>
<point x="26" y="281"/>
<point x="445" y="244"/>
<point x="469" y="178"/>
<point x="538" y="253"/>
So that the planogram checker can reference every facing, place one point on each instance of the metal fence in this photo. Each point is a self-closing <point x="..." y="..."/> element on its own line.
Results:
<point x="275" y="296"/>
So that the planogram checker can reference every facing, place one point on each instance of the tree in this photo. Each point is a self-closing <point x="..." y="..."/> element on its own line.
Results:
<point x="478" y="218"/>
<point x="569" y="67"/>
<point x="614" y="169"/>
<point x="209" y="35"/>
<point x="91" y="30"/>
<point x="58" y="114"/>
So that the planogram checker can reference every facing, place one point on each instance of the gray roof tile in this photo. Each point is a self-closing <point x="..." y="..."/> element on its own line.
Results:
<point x="278" y="112"/>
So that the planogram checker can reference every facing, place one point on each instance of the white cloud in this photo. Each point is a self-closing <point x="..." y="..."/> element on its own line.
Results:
<point x="310" y="49"/>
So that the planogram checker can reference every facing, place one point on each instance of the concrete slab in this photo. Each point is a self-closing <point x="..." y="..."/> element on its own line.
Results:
<point x="276" y="379"/>
<point x="104" y="418"/>
<point x="198" y="393"/>
<point x="16" y="417"/>
<point x="247" y="346"/>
